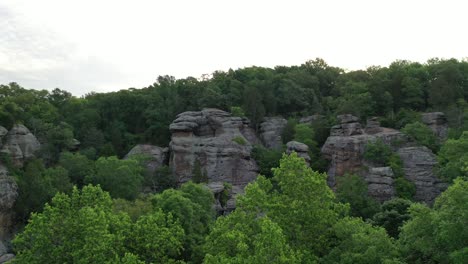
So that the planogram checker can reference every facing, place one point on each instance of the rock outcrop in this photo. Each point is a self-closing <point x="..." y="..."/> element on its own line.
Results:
<point x="157" y="156"/>
<point x="437" y="122"/>
<point x="20" y="144"/>
<point x="418" y="164"/>
<point x="380" y="183"/>
<point x="8" y="195"/>
<point x="301" y="149"/>
<point x="3" y="133"/>
<point x="310" y="119"/>
<point x="270" y="132"/>
<point x="345" y="148"/>
<point x="219" y="143"/>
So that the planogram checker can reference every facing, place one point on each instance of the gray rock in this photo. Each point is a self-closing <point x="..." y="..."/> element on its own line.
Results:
<point x="157" y="156"/>
<point x="418" y="165"/>
<point x="7" y="257"/>
<point x="3" y="132"/>
<point x="3" y="249"/>
<point x="437" y="122"/>
<point x="373" y="126"/>
<point x="8" y="195"/>
<point x="211" y="137"/>
<point x="345" y="152"/>
<point x="349" y="126"/>
<point x="380" y="183"/>
<point x="20" y="144"/>
<point x="347" y="118"/>
<point x="310" y="119"/>
<point x="270" y="132"/>
<point x="301" y="149"/>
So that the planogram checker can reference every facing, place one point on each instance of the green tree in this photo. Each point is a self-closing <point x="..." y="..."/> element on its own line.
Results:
<point x="77" y="165"/>
<point x="37" y="185"/>
<point x="157" y="238"/>
<point x="422" y="135"/>
<point x="266" y="159"/>
<point x="360" y="242"/>
<point x="192" y="206"/>
<point x="438" y="235"/>
<point x="451" y="157"/>
<point x="75" y="228"/>
<point x="121" y="178"/>
<point x="245" y="238"/>
<point x="392" y="216"/>
<point x="352" y="189"/>
<point x="302" y="205"/>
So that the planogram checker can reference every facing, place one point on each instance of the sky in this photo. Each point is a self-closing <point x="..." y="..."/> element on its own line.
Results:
<point x="101" y="46"/>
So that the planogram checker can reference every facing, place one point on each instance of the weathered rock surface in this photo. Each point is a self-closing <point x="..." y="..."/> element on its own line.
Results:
<point x="437" y="122"/>
<point x="270" y="132"/>
<point x="3" y="132"/>
<point x="7" y="257"/>
<point x="157" y="156"/>
<point x="3" y="249"/>
<point x="346" y="144"/>
<point x="20" y="144"/>
<point x="348" y="126"/>
<point x="418" y="164"/>
<point x="380" y="183"/>
<point x="373" y="126"/>
<point x="345" y="148"/>
<point x="301" y="149"/>
<point x="310" y="119"/>
<point x="8" y="195"/>
<point x="217" y="141"/>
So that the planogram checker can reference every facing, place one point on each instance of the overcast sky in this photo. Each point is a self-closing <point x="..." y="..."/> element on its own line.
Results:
<point x="99" y="45"/>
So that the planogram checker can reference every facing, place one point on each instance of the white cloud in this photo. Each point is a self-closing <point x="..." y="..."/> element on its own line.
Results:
<point x="109" y="45"/>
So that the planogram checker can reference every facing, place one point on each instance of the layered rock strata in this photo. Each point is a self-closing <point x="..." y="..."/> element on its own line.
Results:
<point x="219" y="143"/>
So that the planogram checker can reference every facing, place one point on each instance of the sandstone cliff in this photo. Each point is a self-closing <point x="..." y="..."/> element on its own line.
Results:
<point x="345" y="148"/>
<point x="220" y="143"/>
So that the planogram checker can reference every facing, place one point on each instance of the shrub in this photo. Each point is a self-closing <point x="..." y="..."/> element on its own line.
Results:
<point x="422" y="135"/>
<point x="239" y="140"/>
<point x="378" y="152"/>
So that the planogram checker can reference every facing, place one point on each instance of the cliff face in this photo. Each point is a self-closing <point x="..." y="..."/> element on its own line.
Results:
<point x="8" y="195"/>
<point x="221" y="146"/>
<point x="345" y="148"/>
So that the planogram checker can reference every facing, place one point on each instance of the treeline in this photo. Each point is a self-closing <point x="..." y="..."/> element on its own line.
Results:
<point x="111" y="123"/>
<point x="293" y="217"/>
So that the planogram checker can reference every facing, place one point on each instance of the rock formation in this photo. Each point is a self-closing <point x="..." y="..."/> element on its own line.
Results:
<point x="20" y="144"/>
<point x="157" y="156"/>
<point x="8" y="195"/>
<point x="437" y="122"/>
<point x="310" y="119"/>
<point x="270" y="132"/>
<point x="301" y="149"/>
<point x="219" y="143"/>
<point x="380" y="183"/>
<point x="345" y="148"/>
<point x="418" y="164"/>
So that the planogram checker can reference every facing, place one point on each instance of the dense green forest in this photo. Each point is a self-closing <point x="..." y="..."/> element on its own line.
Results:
<point x="86" y="206"/>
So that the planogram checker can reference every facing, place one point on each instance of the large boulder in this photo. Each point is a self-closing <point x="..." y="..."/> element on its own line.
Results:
<point x="8" y="195"/>
<point x="301" y="149"/>
<point x="270" y="132"/>
<point x="418" y="165"/>
<point x="218" y="144"/>
<point x="156" y="156"/>
<point x="20" y="144"/>
<point x="437" y="122"/>
<point x="6" y="258"/>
